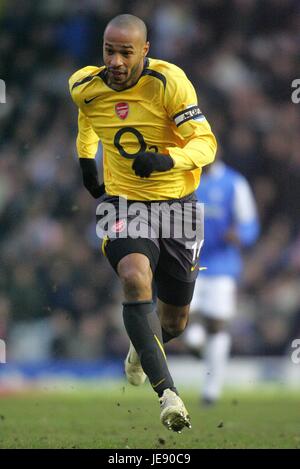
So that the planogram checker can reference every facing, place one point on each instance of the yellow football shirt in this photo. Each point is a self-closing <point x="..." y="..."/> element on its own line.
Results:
<point x="159" y="113"/>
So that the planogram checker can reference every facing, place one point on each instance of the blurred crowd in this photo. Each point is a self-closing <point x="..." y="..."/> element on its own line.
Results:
<point x="59" y="298"/>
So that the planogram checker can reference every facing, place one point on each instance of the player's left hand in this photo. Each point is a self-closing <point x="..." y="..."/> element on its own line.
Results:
<point x="147" y="162"/>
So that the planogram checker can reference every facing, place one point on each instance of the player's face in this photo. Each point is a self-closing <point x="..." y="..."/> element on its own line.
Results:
<point x="123" y="54"/>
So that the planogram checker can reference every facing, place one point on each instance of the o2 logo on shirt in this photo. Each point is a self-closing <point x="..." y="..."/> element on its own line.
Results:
<point x="140" y="140"/>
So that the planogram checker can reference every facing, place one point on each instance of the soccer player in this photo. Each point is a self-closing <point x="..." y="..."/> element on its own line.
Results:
<point x="155" y="142"/>
<point x="230" y="224"/>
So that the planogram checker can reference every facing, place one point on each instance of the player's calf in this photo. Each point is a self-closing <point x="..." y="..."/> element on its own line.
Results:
<point x="143" y="328"/>
<point x="173" y="320"/>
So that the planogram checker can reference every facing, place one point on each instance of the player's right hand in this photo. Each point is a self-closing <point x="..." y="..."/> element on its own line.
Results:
<point x="90" y="177"/>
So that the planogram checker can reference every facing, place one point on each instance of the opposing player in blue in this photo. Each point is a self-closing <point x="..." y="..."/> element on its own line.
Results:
<point x="230" y="224"/>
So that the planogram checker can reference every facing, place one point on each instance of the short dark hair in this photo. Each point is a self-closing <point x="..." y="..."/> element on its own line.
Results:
<point x="129" y="21"/>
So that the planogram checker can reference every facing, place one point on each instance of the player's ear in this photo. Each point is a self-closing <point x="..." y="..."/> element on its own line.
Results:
<point x="146" y="48"/>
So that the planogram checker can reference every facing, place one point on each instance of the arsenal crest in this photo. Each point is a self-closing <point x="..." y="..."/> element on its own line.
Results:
<point x="118" y="226"/>
<point x="122" y="110"/>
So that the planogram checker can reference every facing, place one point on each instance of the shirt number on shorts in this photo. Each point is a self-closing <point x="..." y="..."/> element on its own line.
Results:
<point x="196" y="248"/>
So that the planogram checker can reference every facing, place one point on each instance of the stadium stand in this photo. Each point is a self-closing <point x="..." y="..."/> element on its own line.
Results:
<point x="58" y="295"/>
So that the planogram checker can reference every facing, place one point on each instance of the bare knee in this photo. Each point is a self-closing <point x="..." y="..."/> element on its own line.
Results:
<point x="134" y="283"/>
<point x="136" y="277"/>
<point x="175" y="328"/>
<point x="174" y="319"/>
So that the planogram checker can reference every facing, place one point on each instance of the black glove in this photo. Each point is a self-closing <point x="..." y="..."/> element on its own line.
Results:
<point x="147" y="162"/>
<point x="90" y="177"/>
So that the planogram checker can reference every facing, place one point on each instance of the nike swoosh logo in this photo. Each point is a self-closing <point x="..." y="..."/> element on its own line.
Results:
<point x="87" y="101"/>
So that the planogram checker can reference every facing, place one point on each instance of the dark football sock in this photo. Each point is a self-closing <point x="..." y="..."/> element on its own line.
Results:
<point x="144" y="330"/>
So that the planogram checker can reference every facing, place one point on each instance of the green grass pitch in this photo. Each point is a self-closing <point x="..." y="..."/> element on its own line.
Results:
<point x="124" y="417"/>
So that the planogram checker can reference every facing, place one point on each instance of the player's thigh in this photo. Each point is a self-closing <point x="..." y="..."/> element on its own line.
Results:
<point x="175" y="281"/>
<point x="180" y="245"/>
<point x="174" y="296"/>
<point x="128" y="254"/>
<point x="172" y="291"/>
<point x="176" y="272"/>
<point x="114" y="228"/>
<point x="134" y="269"/>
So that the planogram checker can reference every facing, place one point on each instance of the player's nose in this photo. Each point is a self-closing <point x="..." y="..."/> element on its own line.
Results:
<point x="116" y="61"/>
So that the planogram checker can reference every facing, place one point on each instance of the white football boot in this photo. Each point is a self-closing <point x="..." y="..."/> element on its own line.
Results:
<point x="173" y="413"/>
<point x="133" y="368"/>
